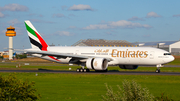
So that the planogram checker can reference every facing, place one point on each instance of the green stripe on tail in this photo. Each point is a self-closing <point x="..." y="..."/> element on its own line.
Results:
<point x="30" y="30"/>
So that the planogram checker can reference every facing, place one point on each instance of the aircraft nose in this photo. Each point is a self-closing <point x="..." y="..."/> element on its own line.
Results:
<point x="172" y="58"/>
<point x="169" y="59"/>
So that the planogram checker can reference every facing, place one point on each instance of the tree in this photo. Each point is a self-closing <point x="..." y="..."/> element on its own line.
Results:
<point x="21" y="56"/>
<point x="13" y="89"/>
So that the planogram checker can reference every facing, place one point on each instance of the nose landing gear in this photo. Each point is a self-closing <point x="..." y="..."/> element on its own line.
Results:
<point x="158" y="68"/>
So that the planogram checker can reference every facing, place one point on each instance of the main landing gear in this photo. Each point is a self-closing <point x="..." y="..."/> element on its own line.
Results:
<point x="158" y="68"/>
<point x="82" y="69"/>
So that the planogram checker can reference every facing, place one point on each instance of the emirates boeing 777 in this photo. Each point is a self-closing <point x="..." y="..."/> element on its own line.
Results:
<point x="96" y="58"/>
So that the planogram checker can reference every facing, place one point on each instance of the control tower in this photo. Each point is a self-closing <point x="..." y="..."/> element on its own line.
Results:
<point x="10" y="33"/>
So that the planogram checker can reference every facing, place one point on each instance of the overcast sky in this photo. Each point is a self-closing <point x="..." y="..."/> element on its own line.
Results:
<point x="64" y="22"/>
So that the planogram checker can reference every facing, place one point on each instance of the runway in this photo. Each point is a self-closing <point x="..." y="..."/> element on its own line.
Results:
<point x="93" y="72"/>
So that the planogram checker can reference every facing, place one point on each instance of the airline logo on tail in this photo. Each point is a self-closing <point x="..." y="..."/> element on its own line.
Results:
<point x="35" y="38"/>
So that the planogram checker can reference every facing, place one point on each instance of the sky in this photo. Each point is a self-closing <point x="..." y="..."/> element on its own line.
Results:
<point x="64" y="22"/>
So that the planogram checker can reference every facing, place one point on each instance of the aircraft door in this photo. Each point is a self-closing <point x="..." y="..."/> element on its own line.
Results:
<point x="151" y="55"/>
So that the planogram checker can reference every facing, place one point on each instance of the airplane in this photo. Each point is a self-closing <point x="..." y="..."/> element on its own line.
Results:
<point x="96" y="58"/>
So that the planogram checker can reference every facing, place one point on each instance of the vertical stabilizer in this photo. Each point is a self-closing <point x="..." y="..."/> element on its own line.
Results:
<point x="35" y="38"/>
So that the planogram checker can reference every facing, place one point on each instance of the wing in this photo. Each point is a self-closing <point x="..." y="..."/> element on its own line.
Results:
<point x="59" y="55"/>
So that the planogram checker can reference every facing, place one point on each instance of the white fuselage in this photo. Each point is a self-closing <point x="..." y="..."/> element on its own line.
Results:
<point x="118" y="55"/>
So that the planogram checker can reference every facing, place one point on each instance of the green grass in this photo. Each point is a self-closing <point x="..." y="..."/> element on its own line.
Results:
<point x="81" y="86"/>
<point x="175" y="62"/>
<point x="56" y="66"/>
<point x="90" y="87"/>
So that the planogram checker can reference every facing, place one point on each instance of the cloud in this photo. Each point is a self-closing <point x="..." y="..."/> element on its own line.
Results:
<point x="34" y="14"/>
<point x="14" y="7"/>
<point x="135" y="18"/>
<point x="58" y="15"/>
<point x="40" y="21"/>
<point x="111" y="32"/>
<point x="100" y="26"/>
<point x="1" y="15"/>
<point x="63" y="33"/>
<point x="118" y="24"/>
<point x="14" y="21"/>
<point x="63" y="7"/>
<point x="153" y="15"/>
<point x="178" y="15"/>
<point x="72" y="27"/>
<point x="80" y="7"/>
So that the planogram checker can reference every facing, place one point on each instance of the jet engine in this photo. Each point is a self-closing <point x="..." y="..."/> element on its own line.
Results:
<point x="97" y="63"/>
<point x="128" y="66"/>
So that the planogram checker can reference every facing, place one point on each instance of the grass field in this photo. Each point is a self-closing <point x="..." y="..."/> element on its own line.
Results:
<point x="55" y="66"/>
<point x="90" y="87"/>
<point x="176" y="61"/>
<point x="37" y="63"/>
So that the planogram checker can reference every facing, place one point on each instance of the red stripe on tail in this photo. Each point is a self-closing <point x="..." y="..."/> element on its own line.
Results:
<point x="43" y="43"/>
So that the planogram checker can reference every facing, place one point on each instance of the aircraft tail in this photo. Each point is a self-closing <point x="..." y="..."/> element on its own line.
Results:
<point x="35" y="38"/>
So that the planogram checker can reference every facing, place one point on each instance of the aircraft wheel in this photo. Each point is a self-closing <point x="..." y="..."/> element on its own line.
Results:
<point x="81" y="70"/>
<point x="157" y="71"/>
<point x="77" y="70"/>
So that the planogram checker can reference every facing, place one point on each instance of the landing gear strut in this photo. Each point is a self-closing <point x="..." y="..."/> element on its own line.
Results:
<point x="158" y="68"/>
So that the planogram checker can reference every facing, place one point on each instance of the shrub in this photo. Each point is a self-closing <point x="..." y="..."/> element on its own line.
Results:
<point x="131" y="91"/>
<point x="13" y="89"/>
<point x="164" y="97"/>
<point x="21" y="56"/>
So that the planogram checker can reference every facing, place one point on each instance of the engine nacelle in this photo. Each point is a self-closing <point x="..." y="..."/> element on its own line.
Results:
<point x="97" y="63"/>
<point x="128" y="66"/>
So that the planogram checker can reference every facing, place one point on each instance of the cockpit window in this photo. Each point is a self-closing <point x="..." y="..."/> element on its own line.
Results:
<point x="167" y="53"/>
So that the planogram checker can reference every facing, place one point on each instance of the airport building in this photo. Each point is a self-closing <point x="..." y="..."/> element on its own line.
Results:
<point x="172" y="46"/>
<point x="5" y="54"/>
<point x="102" y="42"/>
